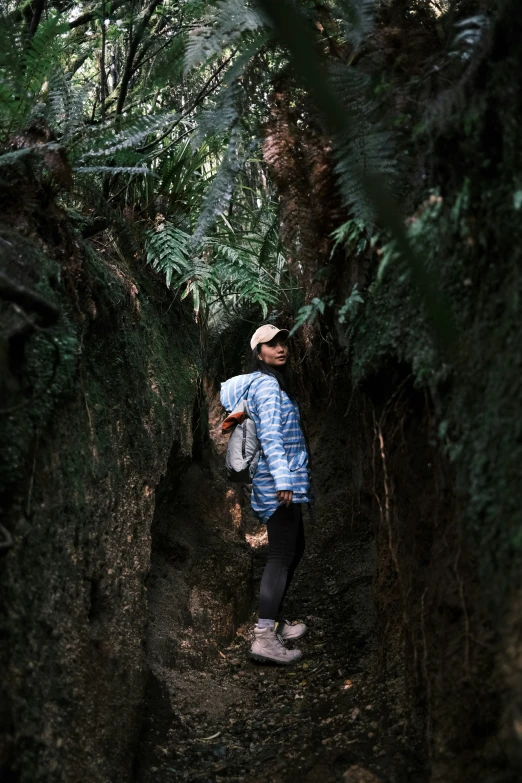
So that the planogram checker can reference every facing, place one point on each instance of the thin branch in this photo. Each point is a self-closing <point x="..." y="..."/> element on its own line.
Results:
<point x="37" y="15"/>
<point x="175" y="141"/>
<point x="88" y="16"/>
<point x="202" y="94"/>
<point x="133" y="48"/>
<point x="103" y="77"/>
<point x="142" y="59"/>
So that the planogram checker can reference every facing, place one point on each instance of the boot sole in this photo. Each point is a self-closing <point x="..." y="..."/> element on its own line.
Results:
<point x="265" y="659"/>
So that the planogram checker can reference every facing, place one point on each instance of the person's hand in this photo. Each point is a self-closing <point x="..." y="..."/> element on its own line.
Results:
<point x="284" y="497"/>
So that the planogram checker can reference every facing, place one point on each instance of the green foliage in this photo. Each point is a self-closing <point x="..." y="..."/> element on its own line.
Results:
<point x="181" y="182"/>
<point x="113" y="170"/>
<point x="42" y="56"/>
<point x="220" y="190"/>
<point x="66" y="105"/>
<point x="229" y="21"/>
<point x="244" y="277"/>
<point x="351" y="235"/>
<point x="349" y="309"/>
<point x="134" y="155"/>
<point x="308" y="313"/>
<point x="227" y="273"/>
<point x="130" y="135"/>
<point x="168" y="251"/>
<point x="358" y="18"/>
<point x="218" y="118"/>
<point x="365" y="147"/>
<point x="25" y="70"/>
<point x="142" y="158"/>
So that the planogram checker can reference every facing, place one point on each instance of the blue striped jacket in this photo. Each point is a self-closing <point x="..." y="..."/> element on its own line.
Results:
<point x="283" y="463"/>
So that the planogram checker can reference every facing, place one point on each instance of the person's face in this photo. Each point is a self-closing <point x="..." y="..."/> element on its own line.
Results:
<point x="275" y="352"/>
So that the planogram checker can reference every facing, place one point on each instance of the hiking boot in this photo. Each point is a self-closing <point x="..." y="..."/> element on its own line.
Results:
<point x="289" y="632"/>
<point x="268" y="646"/>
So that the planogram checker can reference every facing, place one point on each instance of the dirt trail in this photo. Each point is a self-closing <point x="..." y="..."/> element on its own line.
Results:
<point x="328" y="718"/>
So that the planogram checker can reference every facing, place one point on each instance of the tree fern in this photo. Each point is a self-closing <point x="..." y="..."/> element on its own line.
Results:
<point x="140" y="163"/>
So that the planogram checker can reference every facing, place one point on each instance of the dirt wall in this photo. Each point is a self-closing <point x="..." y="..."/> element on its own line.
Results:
<point x="92" y="406"/>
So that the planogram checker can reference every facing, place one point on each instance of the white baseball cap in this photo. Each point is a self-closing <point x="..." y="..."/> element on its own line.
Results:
<point x="266" y="333"/>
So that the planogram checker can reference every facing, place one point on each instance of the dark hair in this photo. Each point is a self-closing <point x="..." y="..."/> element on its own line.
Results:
<point x="283" y="376"/>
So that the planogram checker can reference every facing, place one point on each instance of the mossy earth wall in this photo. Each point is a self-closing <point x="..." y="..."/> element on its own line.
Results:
<point x="447" y="425"/>
<point x="92" y="408"/>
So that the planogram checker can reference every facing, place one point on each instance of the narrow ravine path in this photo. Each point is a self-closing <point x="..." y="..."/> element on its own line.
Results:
<point x="328" y="718"/>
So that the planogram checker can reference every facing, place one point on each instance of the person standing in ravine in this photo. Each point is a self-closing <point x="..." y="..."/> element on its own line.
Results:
<point x="280" y="485"/>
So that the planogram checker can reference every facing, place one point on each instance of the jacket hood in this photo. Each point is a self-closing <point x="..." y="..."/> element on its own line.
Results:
<point x="236" y="389"/>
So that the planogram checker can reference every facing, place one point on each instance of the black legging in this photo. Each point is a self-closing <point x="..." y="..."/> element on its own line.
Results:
<point x="286" y="544"/>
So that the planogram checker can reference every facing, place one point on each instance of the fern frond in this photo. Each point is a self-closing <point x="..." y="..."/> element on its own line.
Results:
<point x="141" y="170"/>
<point x="9" y="158"/>
<point x="65" y="105"/>
<point x="12" y="49"/>
<point x="308" y="313"/>
<point x="181" y="186"/>
<point x="358" y="18"/>
<point x="133" y="134"/>
<point x="199" y="274"/>
<point x="26" y="67"/>
<point x="231" y="20"/>
<point x="220" y="191"/>
<point x="167" y="242"/>
<point x="471" y="33"/>
<point x="42" y="56"/>
<point x="349" y="233"/>
<point x="367" y="149"/>
<point x="219" y="118"/>
<point x="240" y="272"/>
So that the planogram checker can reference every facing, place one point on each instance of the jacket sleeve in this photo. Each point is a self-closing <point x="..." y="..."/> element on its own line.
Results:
<point x="269" y="432"/>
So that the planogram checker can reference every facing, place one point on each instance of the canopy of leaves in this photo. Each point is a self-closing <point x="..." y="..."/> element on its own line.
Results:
<point x="148" y="109"/>
<point x="160" y="108"/>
